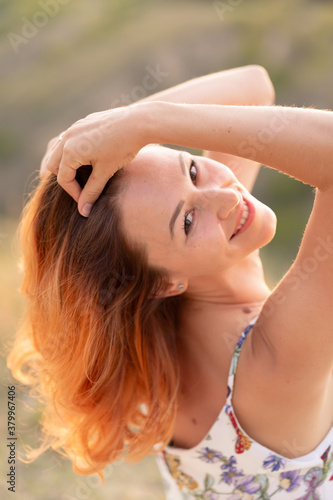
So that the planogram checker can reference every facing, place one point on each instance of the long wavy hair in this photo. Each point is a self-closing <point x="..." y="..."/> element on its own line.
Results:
<point x="95" y="345"/>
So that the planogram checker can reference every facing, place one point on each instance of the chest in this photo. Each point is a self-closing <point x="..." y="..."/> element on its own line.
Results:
<point x="205" y="375"/>
<point x="205" y="393"/>
<point x="197" y="415"/>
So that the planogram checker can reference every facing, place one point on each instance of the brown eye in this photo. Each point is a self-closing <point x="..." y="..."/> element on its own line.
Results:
<point x="191" y="172"/>
<point x="187" y="223"/>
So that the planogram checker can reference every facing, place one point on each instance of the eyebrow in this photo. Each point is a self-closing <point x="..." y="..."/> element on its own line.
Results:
<point x="181" y="203"/>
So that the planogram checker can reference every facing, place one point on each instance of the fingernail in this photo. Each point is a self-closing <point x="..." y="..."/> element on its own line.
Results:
<point x="86" y="209"/>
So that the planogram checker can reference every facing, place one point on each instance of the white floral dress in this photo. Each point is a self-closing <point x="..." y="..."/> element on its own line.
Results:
<point x="228" y="464"/>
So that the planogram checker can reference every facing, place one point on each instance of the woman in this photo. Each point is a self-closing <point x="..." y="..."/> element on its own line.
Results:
<point x="140" y="314"/>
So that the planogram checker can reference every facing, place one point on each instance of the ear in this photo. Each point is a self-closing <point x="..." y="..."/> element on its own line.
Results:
<point x="171" y="291"/>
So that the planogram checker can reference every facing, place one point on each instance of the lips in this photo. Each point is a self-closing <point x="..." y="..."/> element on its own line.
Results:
<point x="245" y="217"/>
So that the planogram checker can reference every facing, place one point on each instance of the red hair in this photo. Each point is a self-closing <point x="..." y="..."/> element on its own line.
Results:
<point x="96" y="349"/>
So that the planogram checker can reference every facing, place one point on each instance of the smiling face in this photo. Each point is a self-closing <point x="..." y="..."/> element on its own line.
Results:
<point x="184" y="209"/>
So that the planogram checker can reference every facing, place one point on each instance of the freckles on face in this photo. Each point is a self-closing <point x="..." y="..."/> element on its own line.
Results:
<point x="153" y="190"/>
<point x="210" y="251"/>
<point x="156" y="183"/>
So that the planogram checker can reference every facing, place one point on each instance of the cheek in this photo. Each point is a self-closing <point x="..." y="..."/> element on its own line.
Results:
<point x="211" y="234"/>
<point x="210" y="245"/>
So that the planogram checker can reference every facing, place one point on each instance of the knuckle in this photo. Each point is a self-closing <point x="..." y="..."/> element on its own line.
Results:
<point x="52" y="169"/>
<point x="68" y="148"/>
<point x="69" y="133"/>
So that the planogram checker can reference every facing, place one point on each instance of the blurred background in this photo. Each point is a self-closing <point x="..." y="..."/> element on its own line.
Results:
<point x="63" y="59"/>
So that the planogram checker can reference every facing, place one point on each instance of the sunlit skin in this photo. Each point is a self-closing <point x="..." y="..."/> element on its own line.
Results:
<point x="220" y="275"/>
<point x="211" y="266"/>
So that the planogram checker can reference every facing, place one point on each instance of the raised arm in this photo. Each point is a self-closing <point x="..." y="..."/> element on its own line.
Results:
<point x="291" y="140"/>
<point x="295" y="141"/>
<point x="247" y="85"/>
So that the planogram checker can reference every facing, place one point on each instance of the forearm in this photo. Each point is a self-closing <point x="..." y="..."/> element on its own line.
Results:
<point x="295" y="141"/>
<point x="248" y="85"/>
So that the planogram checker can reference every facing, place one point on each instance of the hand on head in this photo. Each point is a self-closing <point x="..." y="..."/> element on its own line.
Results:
<point x="107" y="140"/>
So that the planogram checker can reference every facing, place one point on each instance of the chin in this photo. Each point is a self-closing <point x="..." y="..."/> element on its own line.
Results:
<point x="268" y="227"/>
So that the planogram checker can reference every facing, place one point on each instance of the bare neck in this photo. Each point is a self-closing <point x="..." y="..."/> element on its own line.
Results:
<point x="242" y="283"/>
<point x="214" y="313"/>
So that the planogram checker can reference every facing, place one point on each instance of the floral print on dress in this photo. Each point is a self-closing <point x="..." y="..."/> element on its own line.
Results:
<point x="173" y="463"/>
<point x="290" y="480"/>
<point x="210" y="456"/>
<point x="237" y="351"/>
<point x="313" y="478"/>
<point x="242" y="442"/>
<point x="245" y="488"/>
<point x="230" y="475"/>
<point x="274" y="462"/>
<point x="234" y="484"/>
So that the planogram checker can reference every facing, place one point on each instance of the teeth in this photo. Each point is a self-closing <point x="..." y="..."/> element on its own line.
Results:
<point x="244" y="217"/>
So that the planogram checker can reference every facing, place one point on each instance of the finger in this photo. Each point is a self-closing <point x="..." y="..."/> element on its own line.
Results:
<point x="91" y="191"/>
<point x="67" y="172"/>
<point x="53" y="160"/>
<point x="43" y="170"/>
<point x="50" y="145"/>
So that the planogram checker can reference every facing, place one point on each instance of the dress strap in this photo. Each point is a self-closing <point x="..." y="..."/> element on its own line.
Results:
<point x="234" y="361"/>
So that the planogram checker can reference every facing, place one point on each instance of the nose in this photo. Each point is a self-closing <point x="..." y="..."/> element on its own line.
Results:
<point x="221" y="201"/>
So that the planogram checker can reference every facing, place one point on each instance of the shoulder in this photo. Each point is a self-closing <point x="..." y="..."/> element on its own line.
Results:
<point x="290" y="415"/>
